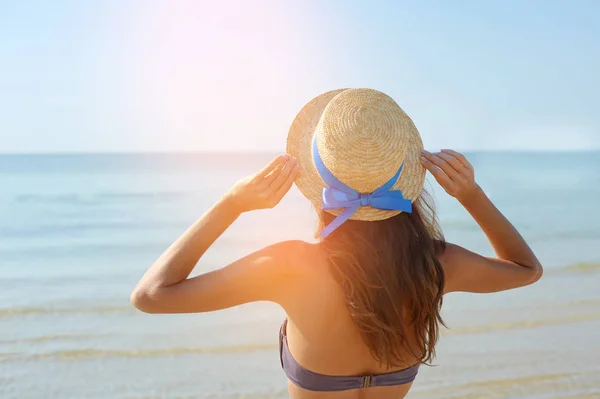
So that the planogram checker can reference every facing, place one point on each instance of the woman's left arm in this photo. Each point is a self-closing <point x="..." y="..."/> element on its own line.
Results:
<point x="166" y="288"/>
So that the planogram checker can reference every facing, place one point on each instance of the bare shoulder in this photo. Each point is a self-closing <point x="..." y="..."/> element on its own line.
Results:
<point x="450" y="258"/>
<point x="295" y="256"/>
<point x="296" y="267"/>
<point x="290" y="261"/>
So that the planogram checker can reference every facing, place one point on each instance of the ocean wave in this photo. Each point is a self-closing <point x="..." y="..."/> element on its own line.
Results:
<point x="272" y="394"/>
<point x="582" y="267"/>
<point x="84" y="251"/>
<point x="536" y="385"/>
<point x="523" y="324"/>
<point x="144" y="195"/>
<point x="116" y="248"/>
<point x="70" y="199"/>
<point x="97" y="198"/>
<point x="78" y="227"/>
<point x="51" y="338"/>
<point x="54" y="311"/>
<point x="75" y="354"/>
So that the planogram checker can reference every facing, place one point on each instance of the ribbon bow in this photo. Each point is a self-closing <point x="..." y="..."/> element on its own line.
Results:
<point x="339" y="195"/>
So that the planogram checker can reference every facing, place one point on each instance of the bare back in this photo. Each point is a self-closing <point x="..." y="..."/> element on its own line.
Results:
<point x="322" y="335"/>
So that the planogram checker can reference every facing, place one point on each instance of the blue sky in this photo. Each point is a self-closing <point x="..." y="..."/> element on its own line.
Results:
<point x="98" y="76"/>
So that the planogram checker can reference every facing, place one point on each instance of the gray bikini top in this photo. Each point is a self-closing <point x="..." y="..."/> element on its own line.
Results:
<point x="318" y="382"/>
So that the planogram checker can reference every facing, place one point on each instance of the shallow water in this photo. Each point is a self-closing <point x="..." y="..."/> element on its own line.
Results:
<point x="77" y="232"/>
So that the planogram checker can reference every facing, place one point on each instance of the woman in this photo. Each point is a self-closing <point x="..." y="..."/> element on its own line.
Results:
<point x="363" y="303"/>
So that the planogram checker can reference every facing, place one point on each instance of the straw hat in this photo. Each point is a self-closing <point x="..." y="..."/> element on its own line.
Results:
<point x="363" y="138"/>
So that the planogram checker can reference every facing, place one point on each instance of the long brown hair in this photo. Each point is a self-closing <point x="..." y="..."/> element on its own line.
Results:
<point x="392" y="279"/>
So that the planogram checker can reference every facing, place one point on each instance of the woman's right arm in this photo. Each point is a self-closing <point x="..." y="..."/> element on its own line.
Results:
<point x="515" y="266"/>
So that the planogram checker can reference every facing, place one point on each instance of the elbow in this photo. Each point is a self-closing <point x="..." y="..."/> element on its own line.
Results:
<point x="538" y="272"/>
<point x="143" y="300"/>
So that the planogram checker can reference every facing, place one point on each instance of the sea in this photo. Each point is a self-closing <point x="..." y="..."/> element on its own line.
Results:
<point x="77" y="231"/>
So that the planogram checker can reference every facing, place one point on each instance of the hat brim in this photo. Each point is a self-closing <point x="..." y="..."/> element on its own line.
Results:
<point x="309" y="181"/>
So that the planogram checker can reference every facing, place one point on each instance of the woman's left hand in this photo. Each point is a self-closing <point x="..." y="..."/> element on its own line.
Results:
<point x="266" y="188"/>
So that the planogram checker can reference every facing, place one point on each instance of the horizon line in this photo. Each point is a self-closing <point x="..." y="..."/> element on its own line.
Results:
<point x="272" y="152"/>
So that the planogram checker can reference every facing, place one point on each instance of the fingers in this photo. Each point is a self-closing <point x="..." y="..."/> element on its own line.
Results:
<point x="287" y="183"/>
<point x="281" y="178"/>
<point x="271" y="167"/>
<point x="463" y="160"/>
<point x="276" y="167"/>
<point x="437" y="173"/>
<point x="452" y="161"/>
<point x="269" y="178"/>
<point x="441" y="163"/>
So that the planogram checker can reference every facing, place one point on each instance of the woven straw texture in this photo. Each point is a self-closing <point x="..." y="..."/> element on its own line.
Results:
<point x="363" y="137"/>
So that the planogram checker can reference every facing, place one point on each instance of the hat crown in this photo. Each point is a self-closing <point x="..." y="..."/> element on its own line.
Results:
<point x="362" y="137"/>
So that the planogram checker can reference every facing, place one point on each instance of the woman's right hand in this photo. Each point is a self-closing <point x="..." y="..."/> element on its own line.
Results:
<point x="453" y="172"/>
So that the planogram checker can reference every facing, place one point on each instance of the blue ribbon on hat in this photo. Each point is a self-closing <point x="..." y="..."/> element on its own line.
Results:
<point x="338" y="195"/>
